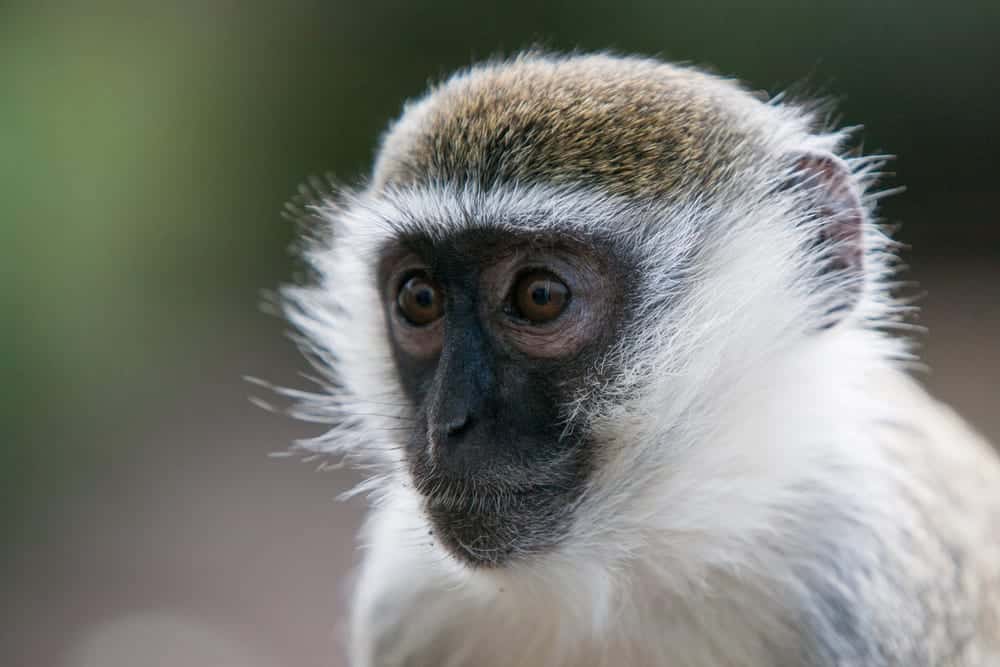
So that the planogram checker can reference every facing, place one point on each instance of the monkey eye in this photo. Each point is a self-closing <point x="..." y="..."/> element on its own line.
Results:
<point x="420" y="300"/>
<point x="539" y="296"/>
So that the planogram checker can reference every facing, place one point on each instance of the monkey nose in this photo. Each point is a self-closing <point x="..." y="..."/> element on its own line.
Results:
<point x="458" y="425"/>
<point x="447" y="441"/>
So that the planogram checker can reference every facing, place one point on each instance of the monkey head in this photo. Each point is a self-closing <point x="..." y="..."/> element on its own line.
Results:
<point x="551" y="321"/>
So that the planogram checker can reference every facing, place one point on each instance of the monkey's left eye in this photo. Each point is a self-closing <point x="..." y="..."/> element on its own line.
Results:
<point x="420" y="301"/>
<point x="539" y="296"/>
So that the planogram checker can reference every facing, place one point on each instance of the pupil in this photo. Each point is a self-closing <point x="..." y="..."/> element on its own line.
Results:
<point x="540" y="295"/>
<point x="425" y="298"/>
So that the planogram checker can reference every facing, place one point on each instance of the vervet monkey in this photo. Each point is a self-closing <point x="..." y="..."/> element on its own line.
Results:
<point x="611" y="337"/>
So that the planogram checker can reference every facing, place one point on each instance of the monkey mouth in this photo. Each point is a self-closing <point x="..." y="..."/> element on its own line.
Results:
<point x="478" y="497"/>
<point x="500" y="514"/>
<point x="496" y="528"/>
<point x="480" y="536"/>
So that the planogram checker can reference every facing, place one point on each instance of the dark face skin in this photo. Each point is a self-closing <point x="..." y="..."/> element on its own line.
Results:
<point x="493" y="334"/>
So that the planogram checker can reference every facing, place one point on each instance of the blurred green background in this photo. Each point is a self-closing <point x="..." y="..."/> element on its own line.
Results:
<point x="145" y="152"/>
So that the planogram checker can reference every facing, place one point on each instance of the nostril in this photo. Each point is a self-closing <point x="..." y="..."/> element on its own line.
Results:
<point x="457" y="426"/>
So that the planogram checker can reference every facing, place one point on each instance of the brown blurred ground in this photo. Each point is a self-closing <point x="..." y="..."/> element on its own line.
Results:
<point x="195" y="548"/>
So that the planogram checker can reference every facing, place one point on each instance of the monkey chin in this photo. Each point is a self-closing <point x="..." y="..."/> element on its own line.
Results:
<point x="499" y="527"/>
<point x="492" y="514"/>
<point x="494" y="538"/>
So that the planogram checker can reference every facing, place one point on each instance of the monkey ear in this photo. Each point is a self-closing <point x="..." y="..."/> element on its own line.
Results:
<point x="835" y="216"/>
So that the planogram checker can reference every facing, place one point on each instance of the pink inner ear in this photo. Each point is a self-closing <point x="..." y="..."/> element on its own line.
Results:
<point x="837" y="204"/>
<point x="834" y="202"/>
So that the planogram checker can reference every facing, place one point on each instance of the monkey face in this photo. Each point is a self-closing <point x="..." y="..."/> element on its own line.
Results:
<point x="516" y="360"/>
<point x="493" y="333"/>
<point x="561" y="291"/>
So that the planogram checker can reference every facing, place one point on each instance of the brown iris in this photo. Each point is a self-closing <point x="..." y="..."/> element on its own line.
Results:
<point x="420" y="301"/>
<point x="539" y="296"/>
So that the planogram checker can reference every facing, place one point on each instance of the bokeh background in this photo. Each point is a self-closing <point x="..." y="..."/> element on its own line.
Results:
<point x="145" y="152"/>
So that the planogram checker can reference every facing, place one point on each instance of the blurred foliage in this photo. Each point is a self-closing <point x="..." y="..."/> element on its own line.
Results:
<point x="146" y="149"/>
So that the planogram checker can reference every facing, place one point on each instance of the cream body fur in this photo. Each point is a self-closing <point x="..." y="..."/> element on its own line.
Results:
<point x="769" y="487"/>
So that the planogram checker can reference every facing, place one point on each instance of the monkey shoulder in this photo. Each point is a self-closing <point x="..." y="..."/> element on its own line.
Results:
<point x="921" y="585"/>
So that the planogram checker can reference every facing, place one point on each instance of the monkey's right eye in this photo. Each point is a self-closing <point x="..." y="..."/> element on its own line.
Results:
<point x="420" y="301"/>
